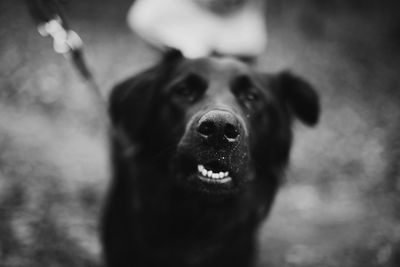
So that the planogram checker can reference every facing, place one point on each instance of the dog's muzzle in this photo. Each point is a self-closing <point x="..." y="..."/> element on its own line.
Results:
<point x="214" y="150"/>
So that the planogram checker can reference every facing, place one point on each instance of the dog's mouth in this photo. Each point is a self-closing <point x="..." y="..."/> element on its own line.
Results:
<point x="209" y="176"/>
<point x="213" y="174"/>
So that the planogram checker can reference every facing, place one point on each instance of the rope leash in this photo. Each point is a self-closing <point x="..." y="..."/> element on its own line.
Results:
<point x="50" y="21"/>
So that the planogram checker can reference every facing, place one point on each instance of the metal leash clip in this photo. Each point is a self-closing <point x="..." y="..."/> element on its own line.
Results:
<point x="64" y="41"/>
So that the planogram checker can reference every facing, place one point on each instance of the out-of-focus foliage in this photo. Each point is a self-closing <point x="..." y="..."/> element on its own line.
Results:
<point x="339" y="205"/>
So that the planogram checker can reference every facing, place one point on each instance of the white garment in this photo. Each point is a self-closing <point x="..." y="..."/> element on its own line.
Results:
<point x="192" y="27"/>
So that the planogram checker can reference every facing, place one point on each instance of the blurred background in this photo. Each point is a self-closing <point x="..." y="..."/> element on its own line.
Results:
<point x="339" y="205"/>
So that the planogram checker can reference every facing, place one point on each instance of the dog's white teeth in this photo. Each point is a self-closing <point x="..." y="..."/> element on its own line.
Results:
<point x="219" y="176"/>
<point x="200" y="168"/>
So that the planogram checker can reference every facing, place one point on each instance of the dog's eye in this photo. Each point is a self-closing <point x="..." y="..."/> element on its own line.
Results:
<point x="244" y="90"/>
<point x="184" y="91"/>
<point x="250" y="96"/>
<point x="190" y="88"/>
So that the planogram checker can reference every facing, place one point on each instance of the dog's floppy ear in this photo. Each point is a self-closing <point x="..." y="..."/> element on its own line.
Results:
<point x="171" y="55"/>
<point x="130" y="102"/>
<point x="133" y="100"/>
<point x="299" y="95"/>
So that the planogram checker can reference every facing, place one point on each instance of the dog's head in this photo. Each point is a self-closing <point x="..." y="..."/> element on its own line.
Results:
<point x="215" y="123"/>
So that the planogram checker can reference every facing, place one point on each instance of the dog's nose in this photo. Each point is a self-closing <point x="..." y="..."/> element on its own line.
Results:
<point x="219" y="125"/>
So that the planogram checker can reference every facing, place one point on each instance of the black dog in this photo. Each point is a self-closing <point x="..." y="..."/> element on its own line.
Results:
<point x="199" y="148"/>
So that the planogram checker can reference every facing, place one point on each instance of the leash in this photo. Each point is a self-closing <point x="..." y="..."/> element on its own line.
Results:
<point x="50" y="21"/>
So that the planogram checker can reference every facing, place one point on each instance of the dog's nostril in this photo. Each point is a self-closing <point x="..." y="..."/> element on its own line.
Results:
<point x="207" y="128"/>
<point x="230" y="131"/>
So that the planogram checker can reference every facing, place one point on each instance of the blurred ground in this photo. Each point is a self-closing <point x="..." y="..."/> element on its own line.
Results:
<point x="340" y="203"/>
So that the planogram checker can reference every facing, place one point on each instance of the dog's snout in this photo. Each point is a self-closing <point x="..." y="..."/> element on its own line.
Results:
<point x="219" y="125"/>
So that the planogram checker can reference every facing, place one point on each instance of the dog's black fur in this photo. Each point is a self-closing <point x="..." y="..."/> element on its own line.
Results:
<point x="216" y="112"/>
